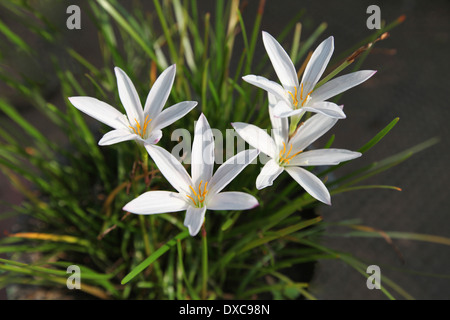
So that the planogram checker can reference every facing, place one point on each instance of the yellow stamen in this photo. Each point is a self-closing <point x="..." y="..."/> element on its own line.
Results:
<point x="285" y="159"/>
<point x="140" y="131"/>
<point x="134" y="130"/>
<point x="306" y="98"/>
<point x="200" y="195"/>
<point x="200" y="191"/>
<point x="193" y="190"/>
<point x="191" y="198"/>
<point x="205" y="191"/>
<point x="138" y="126"/>
<point x="294" y="97"/>
<point x="290" y="149"/>
<point x="303" y="100"/>
<point x="146" y="122"/>
<point x="282" y="151"/>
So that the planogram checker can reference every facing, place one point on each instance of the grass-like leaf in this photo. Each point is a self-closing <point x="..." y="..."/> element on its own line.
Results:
<point x="154" y="256"/>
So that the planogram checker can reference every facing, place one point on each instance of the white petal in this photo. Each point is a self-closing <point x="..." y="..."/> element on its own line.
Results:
<point x="100" y="111"/>
<point x="317" y="64"/>
<point x="230" y="169"/>
<point x="280" y="126"/>
<point x="323" y="157"/>
<point x="268" y="174"/>
<point x="268" y="85"/>
<point x="232" y="201"/>
<point x="256" y="137"/>
<point x="154" y="202"/>
<point x="194" y="219"/>
<point x="116" y="136"/>
<point x="202" y="156"/>
<point x="157" y="97"/>
<point x="341" y="84"/>
<point x="326" y="108"/>
<point x="281" y="62"/>
<point x="129" y="97"/>
<point x="311" y="130"/>
<point x="282" y="110"/>
<point x="170" y="168"/>
<point x="153" y="137"/>
<point x="313" y="185"/>
<point x="172" y="114"/>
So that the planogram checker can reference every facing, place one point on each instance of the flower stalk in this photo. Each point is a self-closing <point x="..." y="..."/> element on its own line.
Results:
<point x="295" y="119"/>
<point x="144" y="156"/>
<point x="204" y="262"/>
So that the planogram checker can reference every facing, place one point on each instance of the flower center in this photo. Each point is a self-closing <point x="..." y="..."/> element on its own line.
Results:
<point x="199" y="196"/>
<point x="303" y="100"/>
<point x="141" y="130"/>
<point x="285" y="158"/>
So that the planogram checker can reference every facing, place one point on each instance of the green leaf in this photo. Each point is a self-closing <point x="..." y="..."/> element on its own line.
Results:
<point x="128" y="28"/>
<point x="280" y="233"/>
<point x="364" y="231"/>
<point x="14" y="38"/>
<point x="380" y="135"/>
<point x="154" y="256"/>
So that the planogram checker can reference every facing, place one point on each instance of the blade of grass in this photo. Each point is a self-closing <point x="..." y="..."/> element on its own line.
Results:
<point x="14" y="38"/>
<point x="365" y="231"/>
<point x="279" y="234"/>
<point x="154" y="256"/>
<point x="128" y="28"/>
<point x="167" y="34"/>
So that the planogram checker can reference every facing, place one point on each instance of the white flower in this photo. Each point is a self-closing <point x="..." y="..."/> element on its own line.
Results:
<point x="201" y="190"/>
<point x="294" y="98"/>
<point x="288" y="153"/>
<point x="142" y="125"/>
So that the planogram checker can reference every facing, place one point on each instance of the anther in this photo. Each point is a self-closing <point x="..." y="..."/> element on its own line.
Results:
<point x="200" y="195"/>
<point x="285" y="159"/>
<point x="294" y="97"/>
<point x="140" y="131"/>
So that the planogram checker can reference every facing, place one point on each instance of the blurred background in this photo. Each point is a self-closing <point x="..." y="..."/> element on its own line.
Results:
<point x="411" y="84"/>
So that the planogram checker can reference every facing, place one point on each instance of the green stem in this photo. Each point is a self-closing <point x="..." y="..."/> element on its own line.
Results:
<point x="145" y="166"/>
<point x="190" y="290"/>
<point x="149" y="247"/>
<point x="333" y="73"/>
<point x="141" y="217"/>
<point x="148" y="250"/>
<point x="204" y="262"/>
<point x="294" y="122"/>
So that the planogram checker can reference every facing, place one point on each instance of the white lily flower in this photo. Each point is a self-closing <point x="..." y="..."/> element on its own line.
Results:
<point x="289" y="153"/>
<point x="201" y="190"/>
<point x="296" y="98"/>
<point x="140" y="124"/>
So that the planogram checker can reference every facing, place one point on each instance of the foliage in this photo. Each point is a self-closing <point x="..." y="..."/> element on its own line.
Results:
<point x="74" y="191"/>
